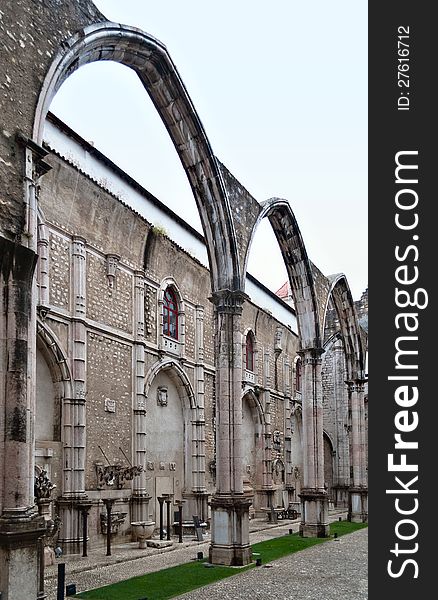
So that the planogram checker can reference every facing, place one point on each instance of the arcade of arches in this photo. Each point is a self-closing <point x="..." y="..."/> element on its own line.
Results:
<point x="129" y="369"/>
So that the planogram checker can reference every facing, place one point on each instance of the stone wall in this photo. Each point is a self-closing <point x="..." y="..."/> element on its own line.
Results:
<point x="109" y="379"/>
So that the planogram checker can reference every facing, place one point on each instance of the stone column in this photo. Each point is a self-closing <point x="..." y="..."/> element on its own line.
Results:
<point x="230" y="509"/>
<point x="43" y="267"/>
<point x="341" y="481"/>
<point x="267" y="451"/>
<point x="358" y="494"/>
<point x="288" y="429"/>
<point x="74" y="417"/>
<point x="140" y="498"/>
<point x="314" y="499"/>
<point x="20" y="524"/>
<point x="198" y="425"/>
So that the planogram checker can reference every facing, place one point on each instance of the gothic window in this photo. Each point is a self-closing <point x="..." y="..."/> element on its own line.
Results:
<point x="250" y="352"/>
<point x="170" y="314"/>
<point x="298" y="375"/>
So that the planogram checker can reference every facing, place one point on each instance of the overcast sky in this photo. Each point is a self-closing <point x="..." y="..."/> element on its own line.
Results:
<point x="281" y="89"/>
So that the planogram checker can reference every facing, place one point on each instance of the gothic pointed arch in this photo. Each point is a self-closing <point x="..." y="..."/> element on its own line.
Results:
<point x="56" y="358"/>
<point x="255" y="405"/>
<point x="298" y="266"/>
<point x="340" y="295"/>
<point x="178" y="377"/>
<point x="151" y="61"/>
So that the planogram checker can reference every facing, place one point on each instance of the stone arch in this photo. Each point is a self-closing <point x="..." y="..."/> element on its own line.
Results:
<point x="256" y="406"/>
<point x="298" y="266"/>
<point x="329" y="453"/>
<point x="253" y="447"/>
<point x="56" y="450"/>
<point x="181" y="475"/>
<point x="179" y="378"/>
<point x="56" y="358"/>
<point x="150" y="60"/>
<point x="340" y="294"/>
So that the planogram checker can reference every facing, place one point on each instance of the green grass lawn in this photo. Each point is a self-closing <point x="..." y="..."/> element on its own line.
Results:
<point x="174" y="581"/>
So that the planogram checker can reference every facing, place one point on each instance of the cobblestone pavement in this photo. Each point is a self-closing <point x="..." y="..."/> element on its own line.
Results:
<point x="129" y="561"/>
<point x="334" y="570"/>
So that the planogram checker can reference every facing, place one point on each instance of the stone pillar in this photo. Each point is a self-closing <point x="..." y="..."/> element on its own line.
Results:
<point x="341" y="481"/>
<point x="43" y="266"/>
<point x="140" y="498"/>
<point x="198" y="425"/>
<point x="20" y="525"/>
<point x="314" y="499"/>
<point x="74" y="418"/>
<point x="288" y="429"/>
<point x="229" y="506"/>
<point x="358" y="510"/>
<point x="267" y="451"/>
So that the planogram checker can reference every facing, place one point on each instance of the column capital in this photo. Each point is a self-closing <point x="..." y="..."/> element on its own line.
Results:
<point x="309" y="355"/>
<point x="229" y="301"/>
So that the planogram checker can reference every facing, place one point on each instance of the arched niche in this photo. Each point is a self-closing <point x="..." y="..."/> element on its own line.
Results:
<point x="170" y="413"/>
<point x="53" y="387"/>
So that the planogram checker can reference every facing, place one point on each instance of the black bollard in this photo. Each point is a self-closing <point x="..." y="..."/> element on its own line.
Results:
<point x="161" y="500"/>
<point x="61" y="582"/>
<point x="84" y="508"/>
<point x="168" y="518"/>
<point x="180" y="524"/>
<point x="109" y="504"/>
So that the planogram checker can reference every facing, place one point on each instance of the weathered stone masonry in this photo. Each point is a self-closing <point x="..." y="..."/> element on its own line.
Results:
<point x="86" y="298"/>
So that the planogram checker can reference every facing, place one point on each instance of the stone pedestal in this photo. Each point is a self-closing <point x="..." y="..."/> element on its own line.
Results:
<point x="140" y="507"/>
<point x="358" y="505"/>
<point x="19" y="549"/>
<point x="230" y="531"/>
<point x="314" y="514"/>
<point x="341" y="495"/>
<point x="70" y="535"/>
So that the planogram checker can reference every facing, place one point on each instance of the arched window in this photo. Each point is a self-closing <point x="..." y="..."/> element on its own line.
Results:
<point x="249" y="352"/>
<point x="170" y="314"/>
<point x="298" y="375"/>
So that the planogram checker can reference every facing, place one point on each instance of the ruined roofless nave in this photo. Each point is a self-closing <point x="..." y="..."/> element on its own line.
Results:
<point x="132" y="368"/>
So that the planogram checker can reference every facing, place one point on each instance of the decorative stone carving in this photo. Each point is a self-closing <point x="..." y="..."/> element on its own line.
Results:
<point x="43" y="487"/>
<point x="115" y="475"/>
<point x="162" y="466"/>
<point x="110" y="405"/>
<point x="276" y="440"/>
<point x="278" y="471"/>
<point x="172" y="466"/>
<point x="117" y="518"/>
<point x="112" y="261"/>
<point x="162" y="396"/>
<point x="150" y="465"/>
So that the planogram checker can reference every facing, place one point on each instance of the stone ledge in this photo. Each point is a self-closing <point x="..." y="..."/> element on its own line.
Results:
<point x="159" y="543"/>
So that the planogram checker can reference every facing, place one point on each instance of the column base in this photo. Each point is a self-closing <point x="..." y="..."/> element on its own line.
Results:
<point x="70" y="535"/>
<point x="140" y="507"/>
<point x="19" y="545"/>
<point x="341" y="496"/>
<point x="230" y="531"/>
<point x="314" y="513"/>
<point x="358" y="505"/>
